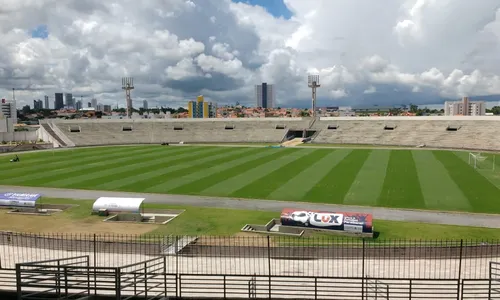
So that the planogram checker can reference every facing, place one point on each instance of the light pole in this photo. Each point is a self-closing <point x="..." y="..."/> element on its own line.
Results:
<point x="128" y="85"/>
<point x="313" y="83"/>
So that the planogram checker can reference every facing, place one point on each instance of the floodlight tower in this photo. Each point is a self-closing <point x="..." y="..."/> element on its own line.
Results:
<point x="313" y="83"/>
<point x="128" y="85"/>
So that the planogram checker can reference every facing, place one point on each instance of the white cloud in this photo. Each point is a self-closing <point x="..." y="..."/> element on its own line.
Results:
<point x="176" y="49"/>
<point x="370" y="90"/>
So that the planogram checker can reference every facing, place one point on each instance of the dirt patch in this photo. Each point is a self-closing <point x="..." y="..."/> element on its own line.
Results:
<point x="246" y="239"/>
<point x="61" y="224"/>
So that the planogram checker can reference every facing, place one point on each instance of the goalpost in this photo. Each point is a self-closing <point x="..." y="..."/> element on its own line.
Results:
<point x="479" y="161"/>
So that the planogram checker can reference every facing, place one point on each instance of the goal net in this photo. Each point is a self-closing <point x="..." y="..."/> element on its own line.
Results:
<point x="479" y="161"/>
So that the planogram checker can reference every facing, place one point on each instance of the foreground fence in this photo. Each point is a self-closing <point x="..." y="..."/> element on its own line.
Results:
<point x="75" y="278"/>
<point x="263" y="255"/>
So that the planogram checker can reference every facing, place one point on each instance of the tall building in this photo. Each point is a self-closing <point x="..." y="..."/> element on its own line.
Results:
<point x="94" y="103"/>
<point x="79" y="105"/>
<point x="37" y="104"/>
<point x="145" y="104"/>
<point x="202" y="109"/>
<point x="58" y="101"/>
<point x="107" y="108"/>
<point x="70" y="101"/>
<point x="264" y="95"/>
<point x="46" y="98"/>
<point x="465" y="107"/>
<point x="9" y="111"/>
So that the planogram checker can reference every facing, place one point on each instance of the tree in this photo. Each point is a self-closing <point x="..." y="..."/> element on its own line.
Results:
<point x="413" y="108"/>
<point x="495" y="110"/>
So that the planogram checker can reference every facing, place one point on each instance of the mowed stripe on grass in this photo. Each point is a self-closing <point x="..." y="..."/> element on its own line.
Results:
<point x="262" y="187"/>
<point x="298" y="186"/>
<point x="334" y="186"/>
<point x="230" y="185"/>
<point x="393" y="178"/>
<point x="481" y="193"/>
<point x="173" y="184"/>
<point x="36" y="164"/>
<point x="199" y="186"/>
<point x="370" y="179"/>
<point x="114" y="169"/>
<point x="156" y="185"/>
<point x="132" y="180"/>
<point x="438" y="189"/>
<point x="401" y="187"/>
<point x="47" y="156"/>
<point x="68" y="168"/>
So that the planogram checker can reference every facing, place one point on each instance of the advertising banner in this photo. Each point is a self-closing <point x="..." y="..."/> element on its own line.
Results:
<point x="18" y="199"/>
<point x="343" y="221"/>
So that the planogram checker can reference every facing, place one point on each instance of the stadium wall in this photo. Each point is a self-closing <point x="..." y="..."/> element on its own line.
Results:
<point x="451" y="132"/>
<point x="19" y="136"/>
<point x="474" y="133"/>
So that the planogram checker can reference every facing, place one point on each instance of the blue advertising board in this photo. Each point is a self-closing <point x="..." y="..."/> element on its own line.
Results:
<point x="19" y="199"/>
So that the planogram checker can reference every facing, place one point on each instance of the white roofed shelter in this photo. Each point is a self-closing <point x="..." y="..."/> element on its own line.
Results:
<point x="119" y="204"/>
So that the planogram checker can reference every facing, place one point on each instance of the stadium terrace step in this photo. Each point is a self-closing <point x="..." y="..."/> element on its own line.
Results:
<point x="52" y="133"/>
<point x="248" y="228"/>
<point x="178" y="245"/>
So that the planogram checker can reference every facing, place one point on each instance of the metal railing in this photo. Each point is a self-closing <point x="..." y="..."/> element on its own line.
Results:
<point x="56" y="276"/>
<point x="73" y="278"/>
<point x="264" y="255"/>
<point x="377" y="290"/>
<point x="252" y="288"/>
<point x="146" y="279"/>
<point x="494" y="284"/>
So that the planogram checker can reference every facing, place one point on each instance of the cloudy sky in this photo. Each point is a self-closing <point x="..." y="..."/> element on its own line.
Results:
<point x="367" y="52"/>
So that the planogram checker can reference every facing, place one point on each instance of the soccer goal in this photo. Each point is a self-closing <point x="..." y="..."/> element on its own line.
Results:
<point x="479" y="161"/>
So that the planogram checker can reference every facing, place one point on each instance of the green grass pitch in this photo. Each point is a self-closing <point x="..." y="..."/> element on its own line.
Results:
<point x="420" y="179"/>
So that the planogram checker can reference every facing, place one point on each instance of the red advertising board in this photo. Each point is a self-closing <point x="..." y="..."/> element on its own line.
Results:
<point x="343" y="221"/>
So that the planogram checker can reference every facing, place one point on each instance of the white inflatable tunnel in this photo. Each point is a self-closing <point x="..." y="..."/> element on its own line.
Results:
<point x="118" y="204"/>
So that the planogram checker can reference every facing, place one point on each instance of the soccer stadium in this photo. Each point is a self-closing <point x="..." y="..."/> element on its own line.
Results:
<point x="281" y="208"/>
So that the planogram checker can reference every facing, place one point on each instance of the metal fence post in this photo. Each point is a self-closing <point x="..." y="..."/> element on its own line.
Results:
<point x="489" y="280"/>
<point x="65" y="282"/>
<point x="363" y="271"/>
<point x="94" y="245"/>
<point x="269" y="263"/>
<point x="224" y="283"/>
<point x="315" y="288"/>
<point x="118" y="288"/>
<point x="165" y="275"/>
<point x="58" y="279"/>
<point x="176" y="244"/>
<point x="410" y="293"/>
<point x="179" y="287"/>
<point x="460" y="268"/>
<point x="19" y="282"/>
<point x="145" y="280"/>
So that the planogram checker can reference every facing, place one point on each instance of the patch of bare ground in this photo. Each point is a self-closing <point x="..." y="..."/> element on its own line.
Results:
<point x="61" y="224"/>
<point x="250" y="240"/>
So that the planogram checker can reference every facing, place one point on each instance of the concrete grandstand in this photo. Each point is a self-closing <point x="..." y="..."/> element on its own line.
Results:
<point x="435" y="132"/>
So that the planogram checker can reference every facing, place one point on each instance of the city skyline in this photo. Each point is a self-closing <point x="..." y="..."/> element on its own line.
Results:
<point x="395" y="57"/>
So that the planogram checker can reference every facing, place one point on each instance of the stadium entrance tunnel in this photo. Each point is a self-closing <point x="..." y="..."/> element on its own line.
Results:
<point x="294" y="134"/>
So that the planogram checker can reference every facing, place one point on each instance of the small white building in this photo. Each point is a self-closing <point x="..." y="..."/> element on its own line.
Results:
<point x="118" y="205"/>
